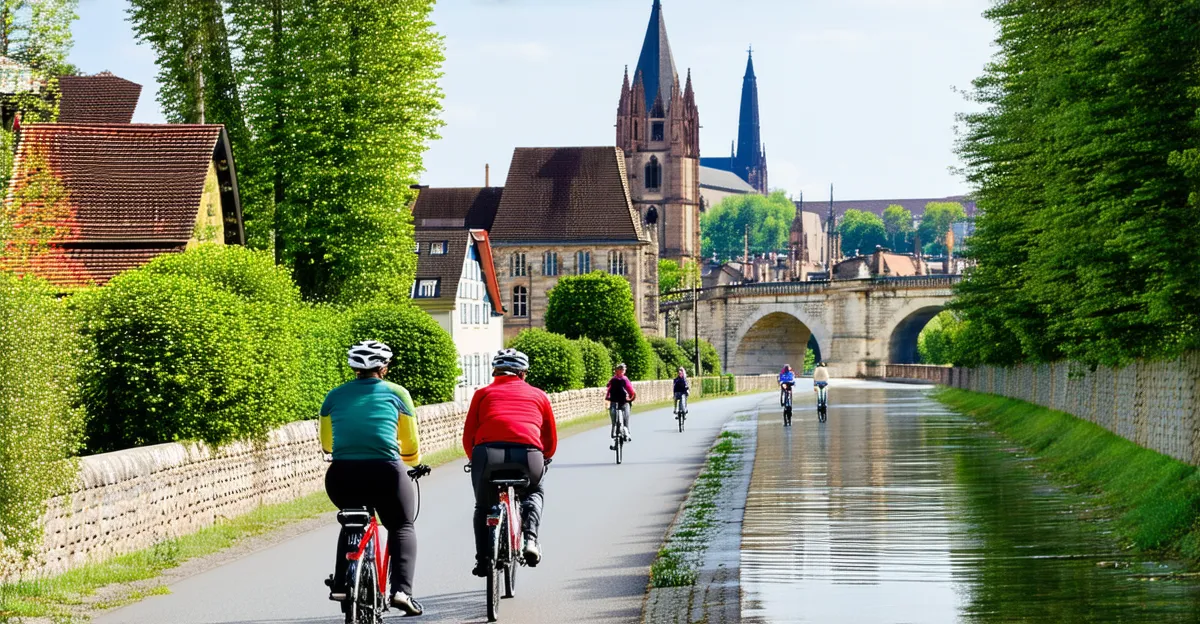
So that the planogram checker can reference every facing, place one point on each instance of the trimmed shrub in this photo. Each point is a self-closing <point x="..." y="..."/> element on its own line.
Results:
<point x="244" y="272"/>
<point x="41" y="425"/>
<point x="426" y="360"/>
<point x="325" y="332"/>
<point x="710" y="361"/>
<point x="725" y="384"/>
<point x="597" y="363"/>
<point x="600" y="306"/>
<point x="177" y="358"/>
<point x="672" y="356"/>
<point x="555" y="363"/>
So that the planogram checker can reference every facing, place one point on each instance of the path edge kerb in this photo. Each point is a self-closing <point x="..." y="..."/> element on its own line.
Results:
<point x="715" y="597"/>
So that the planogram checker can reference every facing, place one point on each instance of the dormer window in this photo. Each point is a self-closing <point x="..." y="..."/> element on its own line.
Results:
<point x="653" y="174"/>
<point x="656" y="131"/>
<point x="437" y="249"/>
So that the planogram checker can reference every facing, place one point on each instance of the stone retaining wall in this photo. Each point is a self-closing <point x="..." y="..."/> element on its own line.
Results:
<point x="1151" y="403"/>
<point x="130" y="500"/>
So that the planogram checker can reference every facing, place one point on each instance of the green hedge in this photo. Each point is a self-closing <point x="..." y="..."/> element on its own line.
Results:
<point x="251" y="275"/>
<point x="672" y="356"/>
<point x="725" y="384"/>
<point x="597" y="363"/>
<point x="426" y="360"/>
<point x="600" y="306"/>
<point x="179" y="359"/>
<point x="555" y="363"/>
<point x="710" y="360"/>
<point x="41" y="425"/>
<point x="325" y="332"/>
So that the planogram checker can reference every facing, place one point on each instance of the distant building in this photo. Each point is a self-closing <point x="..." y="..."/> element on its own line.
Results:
<point x="882" y="263"/>
<point x="568" y="211"/>
<point x="749" y="160"/>
<point x="718" y="184"/>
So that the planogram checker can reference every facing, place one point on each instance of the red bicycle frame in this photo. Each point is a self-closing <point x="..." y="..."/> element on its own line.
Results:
<point x="381" y="554"/>
<point x="514" y="521"/>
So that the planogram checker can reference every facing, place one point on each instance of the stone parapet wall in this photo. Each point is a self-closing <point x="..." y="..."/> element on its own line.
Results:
<point x="1153" y="404"/>
<point x="132" y="499"/>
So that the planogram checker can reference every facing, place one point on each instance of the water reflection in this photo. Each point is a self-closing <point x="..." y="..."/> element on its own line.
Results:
<point x="898" y="510"/>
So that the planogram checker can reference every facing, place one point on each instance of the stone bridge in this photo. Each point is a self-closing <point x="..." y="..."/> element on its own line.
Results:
<point x="855" y="324"/>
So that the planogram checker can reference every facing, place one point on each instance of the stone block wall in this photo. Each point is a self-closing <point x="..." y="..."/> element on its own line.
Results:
<point x="132" y="499"/>
<point x="1153" y="404"/>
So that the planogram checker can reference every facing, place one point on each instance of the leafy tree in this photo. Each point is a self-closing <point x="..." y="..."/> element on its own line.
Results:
<point x="898" y="223"/>
<point x="672" y="356"/>
<point x="338" y="101"/>
<point x="37" y="33"/>
<point x="600" y="306"/>
<point x="767" y="220"/>
<point x="597" y="362"/>
<point x="673" y="277"/>
<point x="34" y="214"/>
<point x="710" y="360"/>
<point x="555" y="363"/>
<point x="861" y="232"/>
<point x="427" y="363"/>
<point x="939" y="217"/>
<point x="937" y="342"/>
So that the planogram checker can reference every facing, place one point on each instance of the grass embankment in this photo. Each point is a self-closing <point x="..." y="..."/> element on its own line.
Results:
<point x="678" y="561"/>
<point x="1154" y="499"/>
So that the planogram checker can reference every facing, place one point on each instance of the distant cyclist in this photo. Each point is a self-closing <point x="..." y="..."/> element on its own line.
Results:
<point x="510" y="425"/>
<point x="787" y="379"/>
<point x="620" y="394"/>
<point x="370" y="425"/>
<point x="682" y="387"/>
<point x="820" y="380"/>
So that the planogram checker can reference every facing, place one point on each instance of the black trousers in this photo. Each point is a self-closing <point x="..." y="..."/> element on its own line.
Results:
<point x="488" y="459"/>
<point x="385" y="487"/>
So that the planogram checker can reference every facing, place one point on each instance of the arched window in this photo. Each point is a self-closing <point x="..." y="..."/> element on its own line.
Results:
<point x="516" y="265"/>
<point x="616" y="262"/>
<point x="520" y="302"/>
<point x="652" y="216"/>
<point x="653" y="173"/>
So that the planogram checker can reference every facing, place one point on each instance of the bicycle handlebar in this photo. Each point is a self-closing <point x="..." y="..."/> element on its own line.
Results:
<point x="419" y="471"/>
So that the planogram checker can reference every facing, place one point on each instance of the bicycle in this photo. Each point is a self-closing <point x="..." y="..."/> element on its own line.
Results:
<point x="619" y="439"/>
<point x="506" y="536"/>
<point x="367" y="573"/>
<point x="786" y="400"/>
<point x="680" y="411"/>
<point x="822" y="402"/>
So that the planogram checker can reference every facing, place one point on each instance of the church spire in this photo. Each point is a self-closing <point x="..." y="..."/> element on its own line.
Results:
<point x="656" y="64"/>
<point x="749" y="152"/>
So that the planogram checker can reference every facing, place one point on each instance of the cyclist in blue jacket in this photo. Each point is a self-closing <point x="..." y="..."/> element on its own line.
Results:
<point x="787" y="379"/>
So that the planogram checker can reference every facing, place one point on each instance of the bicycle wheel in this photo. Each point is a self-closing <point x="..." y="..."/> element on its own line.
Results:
<point x="366" y="605"/>
<point x="680" y="419"/>
<point x="493" y="577"/>
<point x="620" y="446"/>
<point x="510" y="578"/>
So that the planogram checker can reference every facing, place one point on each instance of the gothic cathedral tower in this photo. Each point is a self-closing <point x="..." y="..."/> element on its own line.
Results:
<point x="658" y="127"/>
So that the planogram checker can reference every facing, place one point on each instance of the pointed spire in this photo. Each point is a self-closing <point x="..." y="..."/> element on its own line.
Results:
<point x="749" y="143"/>
<point x="656" y="63"/>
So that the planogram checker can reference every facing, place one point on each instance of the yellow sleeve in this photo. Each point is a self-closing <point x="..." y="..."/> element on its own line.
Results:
<point x="406" y="429"/>
<point x="327" y="434"/>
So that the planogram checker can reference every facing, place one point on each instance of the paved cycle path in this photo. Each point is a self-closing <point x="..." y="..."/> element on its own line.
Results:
<point x="602" y="526"/>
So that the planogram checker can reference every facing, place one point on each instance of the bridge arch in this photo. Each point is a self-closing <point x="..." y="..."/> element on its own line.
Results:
<point x="906" y="327"/>
<point x="774" y="335"/>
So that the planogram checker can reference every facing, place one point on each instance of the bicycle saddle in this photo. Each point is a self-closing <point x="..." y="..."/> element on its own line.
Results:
<point x="359" y="516"/>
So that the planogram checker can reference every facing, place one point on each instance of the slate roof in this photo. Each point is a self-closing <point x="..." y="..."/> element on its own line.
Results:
<point x="448" y="267"/>
<point x="724" y="180"/>
<point x="656" y="64"/>
<point x="877" y="206"/>
<point x="133" y="193"/>
<point x="100" y="99"/>
<point x="473" y="208"/>
<point x="559" y="194"/>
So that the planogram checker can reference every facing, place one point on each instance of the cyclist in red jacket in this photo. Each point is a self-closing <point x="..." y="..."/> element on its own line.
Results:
<point x="510" y="426"/>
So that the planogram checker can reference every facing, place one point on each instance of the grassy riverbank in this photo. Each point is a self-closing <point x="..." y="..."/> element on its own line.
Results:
<point x="1154" y="499"/>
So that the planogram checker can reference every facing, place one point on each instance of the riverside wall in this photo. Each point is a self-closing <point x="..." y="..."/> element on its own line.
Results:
<point x="133" y="499"/>
<point x="1153" y="404"/>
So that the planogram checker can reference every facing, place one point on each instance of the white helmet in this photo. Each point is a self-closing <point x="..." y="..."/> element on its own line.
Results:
<point x="369" y="355"/>
<point x="511" y="360"/>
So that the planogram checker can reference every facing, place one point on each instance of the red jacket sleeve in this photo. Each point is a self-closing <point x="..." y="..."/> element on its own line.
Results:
<point x="629" y="389"/>
<point x="549" y="429"/>
<point x="472" y="423"/>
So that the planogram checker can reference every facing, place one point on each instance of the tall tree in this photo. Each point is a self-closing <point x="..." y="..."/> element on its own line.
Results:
<point x="935" y="224"/>
<point x="38" y="33"/>
<point x="898" y="223"/>
<point x="861" y="232"/>
<point x="767" y="220"/>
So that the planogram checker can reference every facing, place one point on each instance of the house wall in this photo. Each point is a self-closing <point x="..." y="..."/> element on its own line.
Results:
<point x="210" y="222"/>
<point x="539" y="284"/>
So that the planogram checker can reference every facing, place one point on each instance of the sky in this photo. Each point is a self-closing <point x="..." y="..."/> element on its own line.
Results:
<point x="861" y="94"/>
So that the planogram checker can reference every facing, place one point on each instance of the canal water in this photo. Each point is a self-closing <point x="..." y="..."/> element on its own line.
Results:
<point x="898" y="510"/>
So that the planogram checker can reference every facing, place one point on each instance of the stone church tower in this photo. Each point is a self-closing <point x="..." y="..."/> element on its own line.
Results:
<point x="658" y="127"/>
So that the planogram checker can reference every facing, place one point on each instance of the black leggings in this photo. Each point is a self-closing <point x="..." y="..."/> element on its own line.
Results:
<point x="487" y="459"/>
<point x="385" y="487"/>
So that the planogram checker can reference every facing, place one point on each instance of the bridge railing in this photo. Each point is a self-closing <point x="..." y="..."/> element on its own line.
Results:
<point x="685" y="297"/>
<point x="942" y="375"/>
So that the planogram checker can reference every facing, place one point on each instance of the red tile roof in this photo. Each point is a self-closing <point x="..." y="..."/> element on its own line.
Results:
<point x="556" y="194"/>
<point x="100" y="99"/>
<point x="473" y="208"/>
<point x="133" y="192"/>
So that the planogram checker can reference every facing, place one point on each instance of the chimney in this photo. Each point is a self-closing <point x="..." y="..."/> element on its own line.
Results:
<point x="487" y="175"/>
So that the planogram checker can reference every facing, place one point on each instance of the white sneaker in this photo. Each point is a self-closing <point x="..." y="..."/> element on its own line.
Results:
<point x="625" y="433"/>
<point x="533" y="554"/>
<point x="407" y="604"/>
